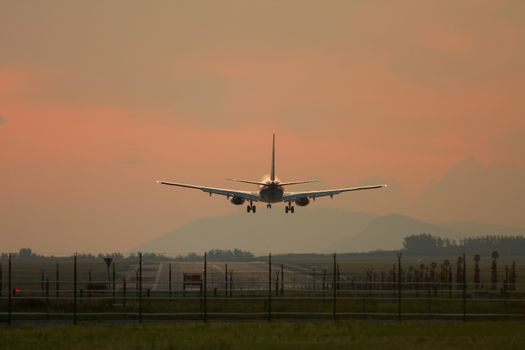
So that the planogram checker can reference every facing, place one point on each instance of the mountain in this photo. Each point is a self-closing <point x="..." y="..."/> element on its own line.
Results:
<point x="387" y="233"/>
<point x="471" y="228"/>
<point x="308" y="230"/>
<point x="316" y="230"/>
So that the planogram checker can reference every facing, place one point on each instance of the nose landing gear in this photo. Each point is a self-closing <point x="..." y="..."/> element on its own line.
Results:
<point x="268" y="206"/>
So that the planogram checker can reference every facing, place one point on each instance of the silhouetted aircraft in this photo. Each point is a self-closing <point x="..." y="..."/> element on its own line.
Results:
<point x="271" y="190"/>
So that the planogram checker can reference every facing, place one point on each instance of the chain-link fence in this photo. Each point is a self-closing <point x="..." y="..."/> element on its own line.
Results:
<point x="201" y="290"/>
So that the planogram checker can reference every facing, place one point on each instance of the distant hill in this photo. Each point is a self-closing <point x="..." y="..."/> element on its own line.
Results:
<point x="317" y="230"/>
<point x="470" y="228"/>
<point x="387" y="233"/>
<point x="308" y="230"/>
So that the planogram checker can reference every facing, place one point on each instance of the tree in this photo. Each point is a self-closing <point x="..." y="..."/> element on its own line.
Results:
<point x="25" y="252"/>
<point x="422" y="243"/>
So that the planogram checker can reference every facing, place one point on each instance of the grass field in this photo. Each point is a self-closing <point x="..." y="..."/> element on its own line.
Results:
<point x="277" y="335"/>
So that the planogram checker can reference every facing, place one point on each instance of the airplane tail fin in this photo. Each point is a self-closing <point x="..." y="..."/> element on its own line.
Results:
<point x="272" y="174"/>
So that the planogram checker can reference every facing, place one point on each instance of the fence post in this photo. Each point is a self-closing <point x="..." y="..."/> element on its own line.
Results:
<point x="205" y="313"/>
<point x="57" y="285"/>
<point x="113" y="281"/>
<point x="324" y="283"/>
<point x="282" y="279"/>
<point x="42" y="283"/>
<point x="89" y="281"/>
<point x="136" y="285"/>
<point x="47" y="297"/>
<point x="226" y="280"/>
<point x="231" y="283"/>
<point x="140" y="287"/>
<point x="9" y="292"/>
<point x="399" y="286"/>
<point x="47" y="290"/>
<point x="334" y="301"/>
<point x="269" y="287"/>
<point x="464" y="288"/>
<point x="75" y="289"/>
<point x="124" y="292"/>
<point x="394" y="279"/>
<point x="169" y="279"/>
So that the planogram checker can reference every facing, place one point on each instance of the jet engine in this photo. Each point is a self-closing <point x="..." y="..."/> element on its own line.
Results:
<point x="237" y="200"/>
<point x="302" y="202"/>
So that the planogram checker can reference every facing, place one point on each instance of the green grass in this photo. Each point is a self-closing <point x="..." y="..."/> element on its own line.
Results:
<point x="278" y="335"/>
<point x="249" y="308"/>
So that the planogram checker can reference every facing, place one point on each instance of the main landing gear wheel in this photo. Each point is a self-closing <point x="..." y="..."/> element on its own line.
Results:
<point x="268" y="206"/>
<point x="251" y="208"/>
<point x="289" y="208"/>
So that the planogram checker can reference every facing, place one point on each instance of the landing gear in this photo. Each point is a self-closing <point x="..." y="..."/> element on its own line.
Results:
<point x="268" y="206"/>
<point x="289" y="208"/>
<point x="251" y="208"/>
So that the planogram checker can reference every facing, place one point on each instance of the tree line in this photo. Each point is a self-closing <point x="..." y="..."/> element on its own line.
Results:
<point x="427" y="244"/>
<point x="214" y="254"/>
<point x="220" y="254"/>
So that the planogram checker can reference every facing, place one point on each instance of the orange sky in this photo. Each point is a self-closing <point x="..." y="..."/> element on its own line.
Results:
<point x="97" y="101"/>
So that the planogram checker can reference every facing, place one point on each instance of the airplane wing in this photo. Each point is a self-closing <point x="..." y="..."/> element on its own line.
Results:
<point x="292" y="196"/>
<point x="247" y="195"/>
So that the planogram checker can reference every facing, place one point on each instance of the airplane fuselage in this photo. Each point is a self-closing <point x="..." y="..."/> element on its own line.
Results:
<point x="271" y="193"/>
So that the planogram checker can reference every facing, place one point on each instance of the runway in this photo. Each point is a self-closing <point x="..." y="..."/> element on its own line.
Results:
<point x="243" y="275"/>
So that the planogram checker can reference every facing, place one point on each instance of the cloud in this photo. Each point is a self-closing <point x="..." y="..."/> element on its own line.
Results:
<point x="133" y="161"/>
<point x="470" y="190"/>
<point x="2" y="120"/>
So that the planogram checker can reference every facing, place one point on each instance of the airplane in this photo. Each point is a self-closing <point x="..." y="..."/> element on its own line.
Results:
<point x="271" y="190"/>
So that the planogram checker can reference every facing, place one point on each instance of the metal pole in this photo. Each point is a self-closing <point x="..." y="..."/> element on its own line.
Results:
<point x="124" y="292"/>
<point x="1" y="281"/>
<point x="334" y="300"/>
<point x="89" y="281"/>
<point x="9" y="303"/>
<point x="282" y="279"/>
<point x="324" y="283"/>
<point x="231" y="283"/>
<point x="226" y="280"/>
<point x="140" y="287"/>
<point x="394" y="279"/>
<point x="113" y="281"/>
<point x="399" y="286"/>
<point x="269" y="287"/>
<point x="47" y="298"/>
<point x="57" y="285"/>
<point x="75" y="289"/>
<point x="205" y="315"/>
<point x="169" y="287"/>
<point x="464" y="288"/>
<point x="42" y="283"/>
<point x="136" y="284"/>
<point x="108" y="283"/>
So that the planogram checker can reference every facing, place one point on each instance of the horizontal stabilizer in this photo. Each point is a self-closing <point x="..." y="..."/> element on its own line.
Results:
<point x="297" y="182"/>
<point x="249" y="182"/>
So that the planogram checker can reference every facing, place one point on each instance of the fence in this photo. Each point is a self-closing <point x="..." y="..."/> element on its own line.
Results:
<point x="271" y="291"/>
